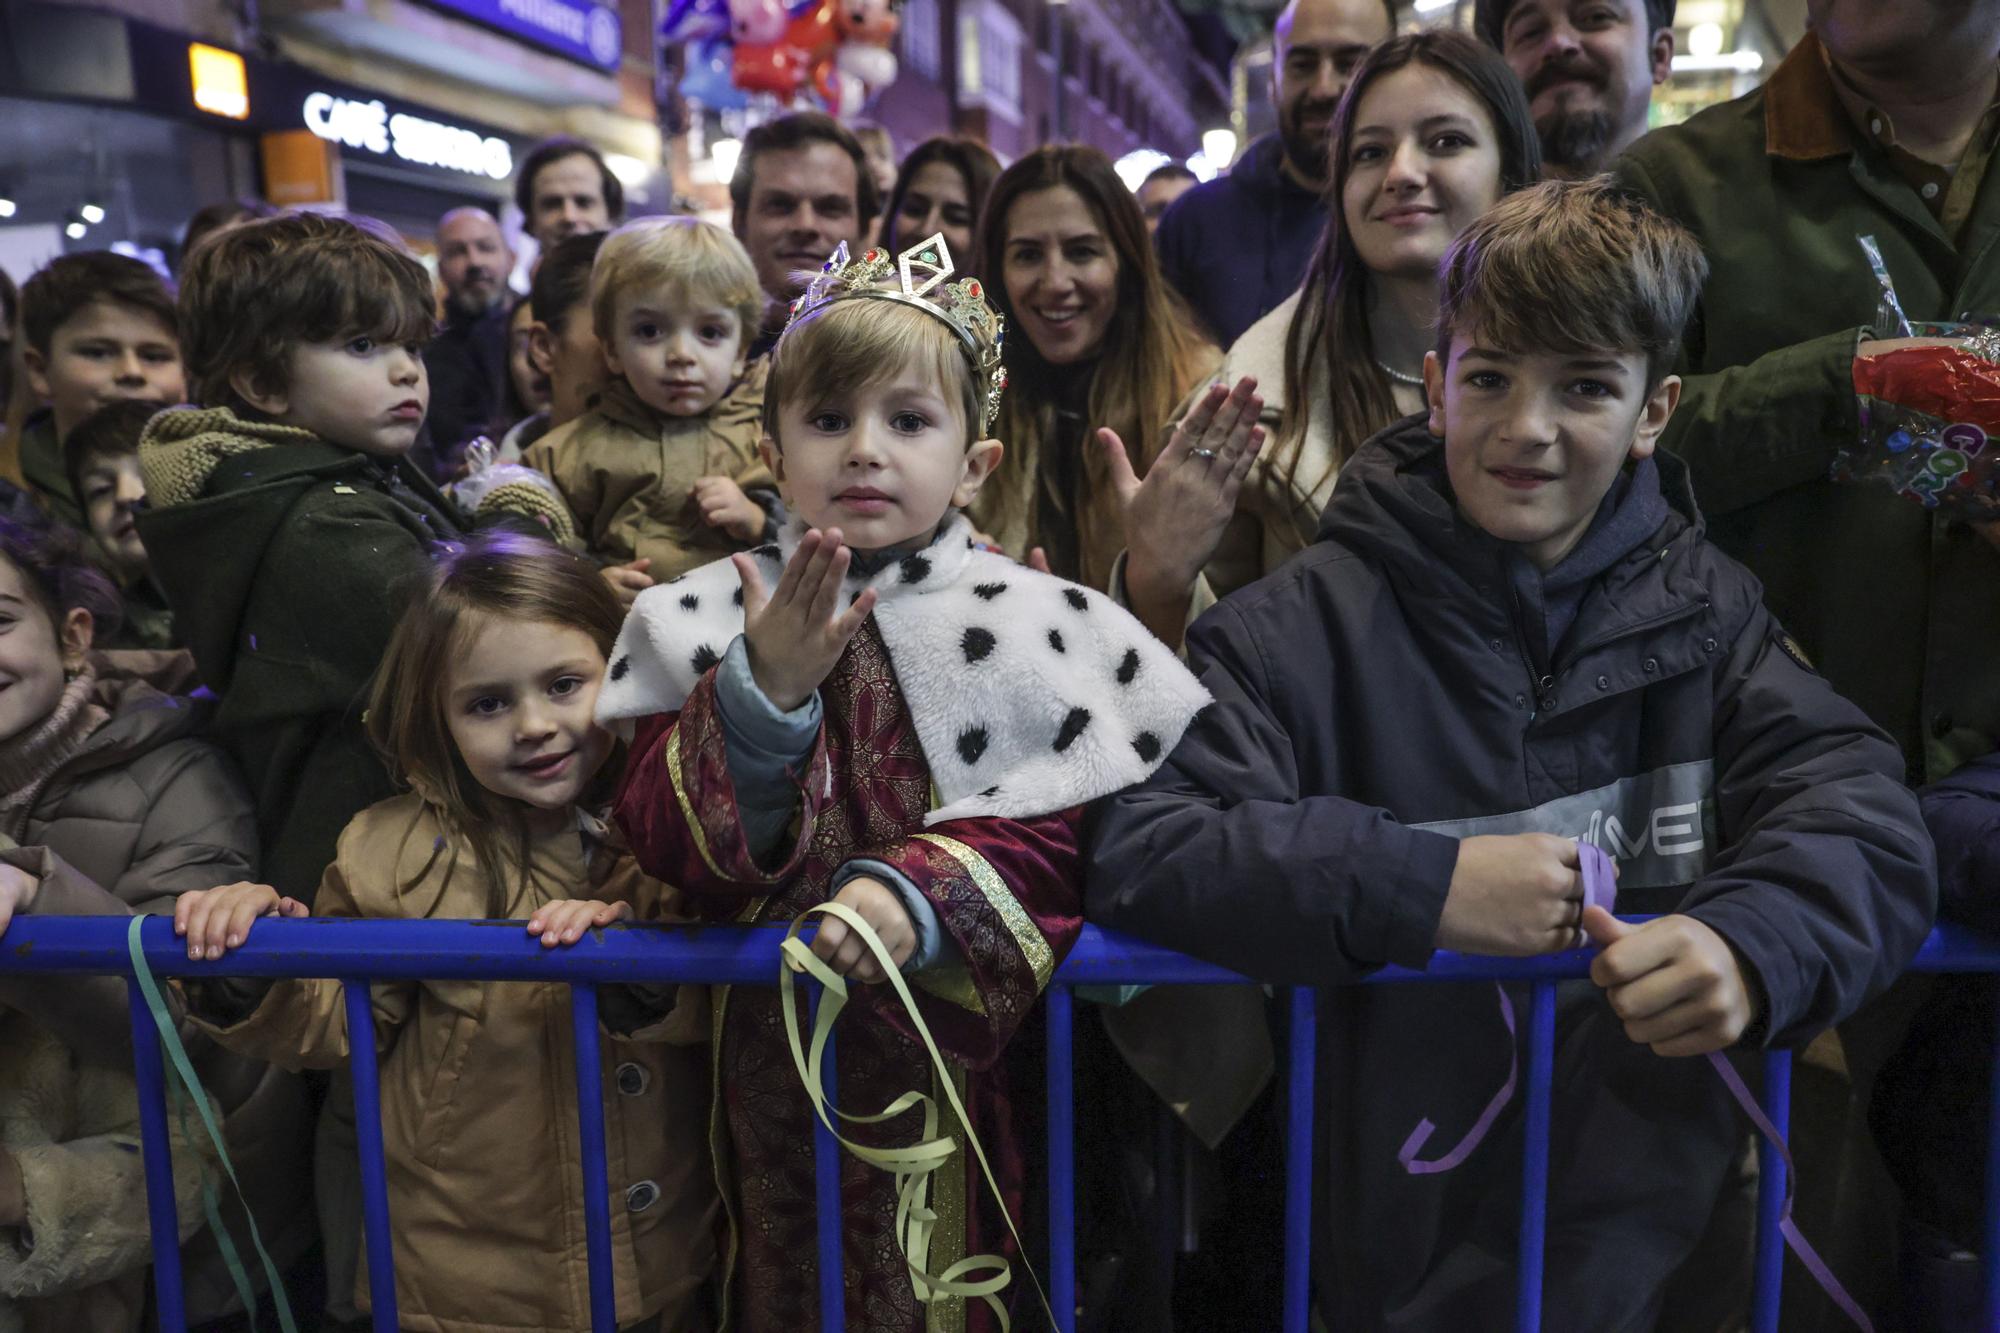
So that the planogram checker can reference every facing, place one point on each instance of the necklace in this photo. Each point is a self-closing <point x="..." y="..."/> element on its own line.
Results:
<point x="1398" y="375"/>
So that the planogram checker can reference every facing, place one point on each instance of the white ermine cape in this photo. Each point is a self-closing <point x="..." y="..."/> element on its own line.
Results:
<point x="1029" y="693"/>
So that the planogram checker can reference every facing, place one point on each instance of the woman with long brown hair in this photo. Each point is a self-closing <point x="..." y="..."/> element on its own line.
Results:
<point x="1433" y="130"/>
<point x="941" y="188"/>
<point x="1095" y="338"/>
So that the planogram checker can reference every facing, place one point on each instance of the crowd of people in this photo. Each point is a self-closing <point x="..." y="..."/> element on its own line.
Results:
<point x="1308" y="570"/>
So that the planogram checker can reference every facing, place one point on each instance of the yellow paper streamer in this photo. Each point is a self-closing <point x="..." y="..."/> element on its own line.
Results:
<point x="979" y="1276"/>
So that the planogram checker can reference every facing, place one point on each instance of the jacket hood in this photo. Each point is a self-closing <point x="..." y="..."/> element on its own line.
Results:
<point x="219" y="488"/>
<point x="1393" y="503"/>
<point x="143" y="716"/>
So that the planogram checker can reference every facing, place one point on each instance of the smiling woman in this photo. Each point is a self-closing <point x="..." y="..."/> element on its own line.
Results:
<point x="1431" y="132"/>
<point x="1064" y="250"/>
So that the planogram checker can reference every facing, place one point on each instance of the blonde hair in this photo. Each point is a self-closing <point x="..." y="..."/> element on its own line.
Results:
<point x="861" y="342"/>
<point x="1572" y="267"/>
<point x="511" y="576"/>
<point x="696" y="261"/>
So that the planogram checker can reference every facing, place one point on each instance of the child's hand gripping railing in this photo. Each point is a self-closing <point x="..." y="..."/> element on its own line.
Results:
<point x="360" y="952"/>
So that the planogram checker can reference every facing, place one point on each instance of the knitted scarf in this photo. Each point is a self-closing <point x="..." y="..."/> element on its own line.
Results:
<point x="29" y="760"/>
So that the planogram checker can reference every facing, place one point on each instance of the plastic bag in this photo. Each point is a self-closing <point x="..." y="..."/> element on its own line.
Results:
<point x="1929" y="415"/>
<point x="490" y="487"/>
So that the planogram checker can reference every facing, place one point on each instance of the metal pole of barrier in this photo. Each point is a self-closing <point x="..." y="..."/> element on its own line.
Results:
<point x="826" y="1200"/>
<point x="1299" y="1157"/>
<point x="159" y="1163"/>
<point x="1770" y="1269"/>
<point x="1991" y="1259"/>
<point x="1062" y="1157"/>
<point x="1535" y="1158"/>
<point x="368" y="1138"/>
<point x="590" y="1127"/>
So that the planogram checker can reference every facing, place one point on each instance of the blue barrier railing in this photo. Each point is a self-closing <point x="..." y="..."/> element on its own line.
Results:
<point x="361" y="952"/>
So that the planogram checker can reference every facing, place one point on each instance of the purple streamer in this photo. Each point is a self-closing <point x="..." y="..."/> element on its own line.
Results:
<point x="1600" y="889"/>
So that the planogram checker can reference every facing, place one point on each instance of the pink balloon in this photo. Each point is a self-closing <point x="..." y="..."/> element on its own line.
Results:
<point x="756" y="22"/>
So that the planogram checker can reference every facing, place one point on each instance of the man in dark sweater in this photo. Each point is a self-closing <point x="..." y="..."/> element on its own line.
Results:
<point x="1237" y="246"/>
<point x="467" y="361"/>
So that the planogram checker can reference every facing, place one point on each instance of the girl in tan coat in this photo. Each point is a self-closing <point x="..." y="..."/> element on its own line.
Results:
<point x="484" y="705"/>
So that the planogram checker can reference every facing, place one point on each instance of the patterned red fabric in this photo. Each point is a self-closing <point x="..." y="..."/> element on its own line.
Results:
<point x="864" y="792"/>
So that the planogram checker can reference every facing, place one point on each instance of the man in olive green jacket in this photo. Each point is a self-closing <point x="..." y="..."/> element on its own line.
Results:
<point x="1867" y="128"/>
<point x="1881" y="122"/>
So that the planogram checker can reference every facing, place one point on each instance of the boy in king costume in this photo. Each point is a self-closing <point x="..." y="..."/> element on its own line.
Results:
<point x="875" y="712"/>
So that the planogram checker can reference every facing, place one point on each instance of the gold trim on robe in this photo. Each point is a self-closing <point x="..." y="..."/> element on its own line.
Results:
<point x="1041" y="959"/>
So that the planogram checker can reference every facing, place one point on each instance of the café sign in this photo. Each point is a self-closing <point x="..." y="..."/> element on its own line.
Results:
<point x="369" y="126"/>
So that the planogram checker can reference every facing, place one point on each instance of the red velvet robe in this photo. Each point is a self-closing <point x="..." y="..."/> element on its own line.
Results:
<point x="1009" y="892"/>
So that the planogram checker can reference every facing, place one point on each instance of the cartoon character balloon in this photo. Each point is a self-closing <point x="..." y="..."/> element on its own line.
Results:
<point x="873" y="65"/>
<point x="756" y="22"/>
<point x="871" y="22"/>
<point x="694" y="20"/>
<point x="710" y="76"/>
<point x="770" y="67"/>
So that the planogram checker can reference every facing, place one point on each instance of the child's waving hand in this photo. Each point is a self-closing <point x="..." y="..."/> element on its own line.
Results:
<point x="564" y="922"/>
<point x="212" y="920"/>
<point x="796" y="632"/>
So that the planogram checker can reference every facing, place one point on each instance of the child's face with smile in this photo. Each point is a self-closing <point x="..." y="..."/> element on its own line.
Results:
<point x="519" y="703"/>
<point x="1533" y="441"/>
<point x="884" y="462"/>
<point x="679" y="356"/>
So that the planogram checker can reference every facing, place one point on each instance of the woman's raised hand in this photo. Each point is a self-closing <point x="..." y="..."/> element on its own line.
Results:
<point x="1176" y="514"/>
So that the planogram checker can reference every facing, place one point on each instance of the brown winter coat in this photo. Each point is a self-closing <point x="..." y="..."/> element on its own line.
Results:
<point x="72" y="1123"/>
<point x="478" y="1102"/>
<point x="628" y="474"/>
<point x="143" y="812"/>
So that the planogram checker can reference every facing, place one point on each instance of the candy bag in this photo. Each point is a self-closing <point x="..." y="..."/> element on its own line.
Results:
<point x="490" y="487"/>
<point x="1928" y="414"/>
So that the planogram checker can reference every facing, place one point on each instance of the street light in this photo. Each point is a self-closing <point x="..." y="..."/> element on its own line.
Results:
<point x="91" y="214"/>
<point x="6" y="207"/>
<point x="75" y="231"/>
<point x="1219" y="147"/>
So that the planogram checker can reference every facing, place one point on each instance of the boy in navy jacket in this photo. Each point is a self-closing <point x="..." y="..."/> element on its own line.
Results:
<point x="1510" y="634"/>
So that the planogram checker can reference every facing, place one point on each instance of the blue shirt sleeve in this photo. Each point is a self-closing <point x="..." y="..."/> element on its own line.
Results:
<point x="764" y="745"/>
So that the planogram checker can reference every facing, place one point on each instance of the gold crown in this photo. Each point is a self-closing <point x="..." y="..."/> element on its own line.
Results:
<point x="921" y="271"/>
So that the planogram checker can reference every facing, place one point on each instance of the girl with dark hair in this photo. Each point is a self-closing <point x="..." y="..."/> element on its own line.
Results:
<point x="111" y="805"/>
<point x="484" y="708"/>
<point x="1095" y="339"/>
<point x="1433" y="130"/>
<point x="941" y="188"/>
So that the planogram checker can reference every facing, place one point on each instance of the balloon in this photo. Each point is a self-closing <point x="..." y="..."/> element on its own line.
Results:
<point x="756" y="22"/>
<point x="815" y="31"/>
<point x="694" y="20"/>
<point x="710" y="77"/>
<point x="769" y="67"/>
<point x="874" y="66"/>
<point x="841" y="91"/>
<point x="871" y="21"/>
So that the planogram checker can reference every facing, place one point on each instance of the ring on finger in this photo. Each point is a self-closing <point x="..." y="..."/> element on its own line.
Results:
<point x="1206" y="455"/>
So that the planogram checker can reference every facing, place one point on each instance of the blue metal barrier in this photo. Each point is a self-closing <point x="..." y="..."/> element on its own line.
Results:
<point x="361" y="952"/>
